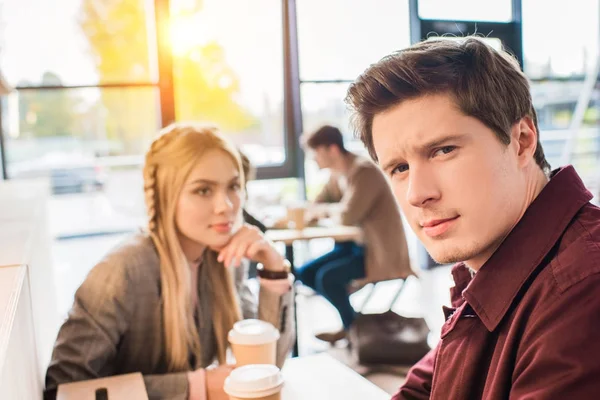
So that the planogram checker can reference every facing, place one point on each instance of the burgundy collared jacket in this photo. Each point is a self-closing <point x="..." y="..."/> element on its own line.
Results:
<point x="527" y="325"/>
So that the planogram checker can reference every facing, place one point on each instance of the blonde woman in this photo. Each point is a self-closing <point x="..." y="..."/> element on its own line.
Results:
<point x="163" y="302"/>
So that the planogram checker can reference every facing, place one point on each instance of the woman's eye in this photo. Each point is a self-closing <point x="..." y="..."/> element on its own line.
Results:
<point x="203" y="191"/>
<point x="235" y="187"/>
<point x="399" y="169"/>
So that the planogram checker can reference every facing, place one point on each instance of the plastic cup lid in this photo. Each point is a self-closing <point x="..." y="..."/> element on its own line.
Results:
<point x="253" y="332"/>
<point x="252" y="381"/>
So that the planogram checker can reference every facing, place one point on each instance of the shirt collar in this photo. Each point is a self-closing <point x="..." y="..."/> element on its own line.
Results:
<point x="493" y="289"/>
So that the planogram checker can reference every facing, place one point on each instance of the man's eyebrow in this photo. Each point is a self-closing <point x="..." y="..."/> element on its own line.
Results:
<point x="392" y="163"/>
<point x="424" y="148"/>
<point x="441" y="141"/>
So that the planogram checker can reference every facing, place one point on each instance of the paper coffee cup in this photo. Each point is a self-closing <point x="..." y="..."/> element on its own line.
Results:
<point x="255" y="382"/>
<point x="297" y="215"/>
<point x="254" y="342"/>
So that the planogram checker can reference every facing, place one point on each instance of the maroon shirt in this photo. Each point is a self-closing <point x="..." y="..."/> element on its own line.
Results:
<point x="527" y="326"/>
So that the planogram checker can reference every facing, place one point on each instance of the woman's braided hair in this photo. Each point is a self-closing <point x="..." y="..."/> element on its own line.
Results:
<point x="150" y="168"/>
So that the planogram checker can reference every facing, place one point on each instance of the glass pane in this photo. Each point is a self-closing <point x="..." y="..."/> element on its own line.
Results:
<point x="89" y="145"/>
<point x="491" y="41"/>
<point x="76" y="42"/>
<point x="228" y="70"/>
<point x="562" y="40"/>
<point x="555" y="104"/>
<point x="466" y="10"/>
<point x="338" y="39"/>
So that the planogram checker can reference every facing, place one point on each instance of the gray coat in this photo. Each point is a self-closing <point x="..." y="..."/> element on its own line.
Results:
<point x="115" y="324"/>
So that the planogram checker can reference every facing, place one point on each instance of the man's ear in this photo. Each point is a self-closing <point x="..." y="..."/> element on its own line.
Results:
<point x="525" y="136"/>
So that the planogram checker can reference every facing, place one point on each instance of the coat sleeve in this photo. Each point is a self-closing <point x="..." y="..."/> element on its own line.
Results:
<point x="271" y="307"/>
<point x="330" y="193"/>
<point x="559" y="359"/>
<point x="419" y="379"/>
<point x="88" y="341"/>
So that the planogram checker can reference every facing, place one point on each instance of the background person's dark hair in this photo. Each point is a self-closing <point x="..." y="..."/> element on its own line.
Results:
<point x="247" y="167"/>
<point x="326" y="135"/>
<point x="485" y="84"/>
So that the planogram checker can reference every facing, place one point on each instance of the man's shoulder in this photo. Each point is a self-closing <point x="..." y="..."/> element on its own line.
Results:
<point x="578" y="254"/>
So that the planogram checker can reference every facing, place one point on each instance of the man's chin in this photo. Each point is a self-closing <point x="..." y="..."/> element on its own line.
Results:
<point x="446" y="255"/>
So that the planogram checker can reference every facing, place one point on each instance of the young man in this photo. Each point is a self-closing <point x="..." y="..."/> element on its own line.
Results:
<point x="362" y="196"/>
<point x="453" y="126"/>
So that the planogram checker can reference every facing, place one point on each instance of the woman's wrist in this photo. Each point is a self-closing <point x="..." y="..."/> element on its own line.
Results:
<point x="277" y="286"/>
<point x="279" y="270"/>
<point x="276" y="263"/>
<point x="197" y="385"/>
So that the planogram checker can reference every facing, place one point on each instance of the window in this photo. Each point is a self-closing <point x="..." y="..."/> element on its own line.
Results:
<point x="80" y="42"/>
<point x="85" y="109"/>
<point x="466" y="10"/>
<point x="89" y="146"/>
<point x="228" y="71"/>
<point x="339" y="39"/>
<point x="561" y="51"/>
<point x="562" y="40"/>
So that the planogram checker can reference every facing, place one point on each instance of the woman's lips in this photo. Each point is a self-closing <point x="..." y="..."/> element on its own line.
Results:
<point x="222" y="228"/>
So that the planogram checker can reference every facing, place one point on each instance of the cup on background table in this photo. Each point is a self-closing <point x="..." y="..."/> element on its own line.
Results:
<point x="296" y="214"/>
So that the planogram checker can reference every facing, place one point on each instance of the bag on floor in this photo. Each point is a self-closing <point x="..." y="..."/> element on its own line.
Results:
<point x="389" y="338"/>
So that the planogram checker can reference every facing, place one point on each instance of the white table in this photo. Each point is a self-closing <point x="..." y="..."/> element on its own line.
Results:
<point x="321" y="377"/>
<point x="337" y="233"/>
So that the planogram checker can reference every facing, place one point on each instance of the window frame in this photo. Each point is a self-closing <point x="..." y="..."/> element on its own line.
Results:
<point x="293" y="166"/>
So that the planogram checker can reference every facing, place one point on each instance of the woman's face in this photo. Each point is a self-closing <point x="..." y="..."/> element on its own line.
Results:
<point x="209" y="204"/>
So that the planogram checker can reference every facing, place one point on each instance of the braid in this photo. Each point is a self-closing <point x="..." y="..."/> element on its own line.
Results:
<point x="150" y="168"/>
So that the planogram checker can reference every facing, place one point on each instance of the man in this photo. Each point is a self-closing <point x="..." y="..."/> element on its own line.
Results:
<point x="361" y="196"/>
<point x="453" y="126"/>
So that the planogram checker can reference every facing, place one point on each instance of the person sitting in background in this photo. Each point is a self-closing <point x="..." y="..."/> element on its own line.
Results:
<point x="164" y="301"/>
<point x="358" y="194"/>
<point x="249" y="173"/>
<point x="453" y="125"/>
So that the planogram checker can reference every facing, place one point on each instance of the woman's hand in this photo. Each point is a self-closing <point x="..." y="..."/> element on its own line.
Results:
<point x="215" y="379"/>
<point x="249" y="242"/>
<point x="197" y="384"/>
<point x="207" y="384"/>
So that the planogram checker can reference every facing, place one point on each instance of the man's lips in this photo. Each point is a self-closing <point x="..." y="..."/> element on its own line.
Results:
<point x="437" y="227"/>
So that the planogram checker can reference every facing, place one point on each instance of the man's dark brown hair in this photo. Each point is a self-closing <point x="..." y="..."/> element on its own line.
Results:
<point x="485" y="84"/>
<point x="326" y="135"/>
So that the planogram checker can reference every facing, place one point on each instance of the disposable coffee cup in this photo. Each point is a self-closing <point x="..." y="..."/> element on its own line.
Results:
<point x="254" y="342"/>
<point x="297" y="216"/>
<point x="254" y="382"/>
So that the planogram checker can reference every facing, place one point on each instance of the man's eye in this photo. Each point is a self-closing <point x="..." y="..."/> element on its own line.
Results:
<point x="444" y="150"/>
<point x="399" y="169"/>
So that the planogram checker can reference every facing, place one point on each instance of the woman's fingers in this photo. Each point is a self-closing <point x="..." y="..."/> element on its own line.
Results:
<point x="239" y="253"/>
<point x="255" y="248"/>
<point x="237" y="247"/>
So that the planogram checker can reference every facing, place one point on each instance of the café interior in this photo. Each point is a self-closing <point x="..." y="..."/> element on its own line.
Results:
<point x="86" y="85"/>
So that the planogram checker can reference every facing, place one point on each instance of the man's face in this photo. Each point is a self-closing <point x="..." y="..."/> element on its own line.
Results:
<point x="323" y="156"/>
<point x="460" y="188"/>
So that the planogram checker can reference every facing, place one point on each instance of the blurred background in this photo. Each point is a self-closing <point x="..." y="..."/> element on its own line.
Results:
<point x="94" y="80"/>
